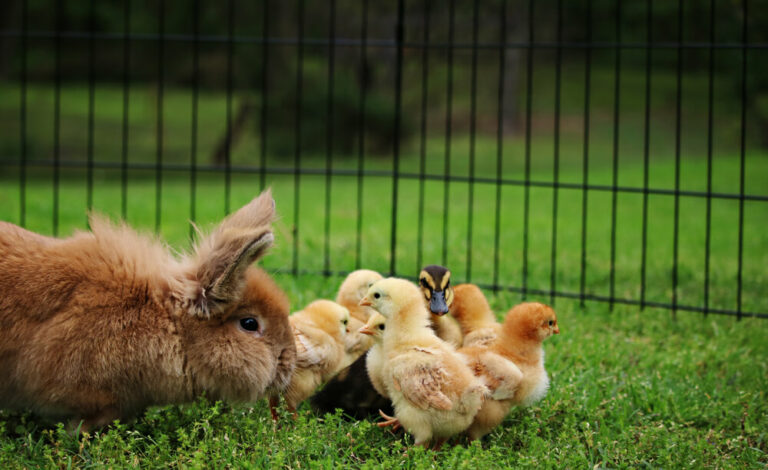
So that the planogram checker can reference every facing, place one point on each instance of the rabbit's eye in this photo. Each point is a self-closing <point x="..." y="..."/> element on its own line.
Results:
<point x="249" y="324"/>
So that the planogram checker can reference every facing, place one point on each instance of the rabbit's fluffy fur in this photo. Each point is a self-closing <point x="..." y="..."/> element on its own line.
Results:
<point x="101" y="325"/>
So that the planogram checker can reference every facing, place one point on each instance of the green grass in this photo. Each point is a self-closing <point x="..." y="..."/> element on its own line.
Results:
<point x="629" y="389"/>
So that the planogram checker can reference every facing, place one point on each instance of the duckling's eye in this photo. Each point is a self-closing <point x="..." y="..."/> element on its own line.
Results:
<point x="376" y="295"/>
<point x="424" y="283"/>
<point x="551" y="322"/>
<point x="249" y="324"/>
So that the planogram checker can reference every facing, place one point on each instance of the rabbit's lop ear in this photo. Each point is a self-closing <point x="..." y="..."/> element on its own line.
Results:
<point x="223" y="257"/>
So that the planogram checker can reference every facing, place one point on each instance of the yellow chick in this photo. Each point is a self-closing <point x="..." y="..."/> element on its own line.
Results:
<point x="354" y="287"/>
<point x="434" y="394"/>
<point x="525" y="328"/>
<point x="319" y="331"/>
<point x="374" y="360"/>
<point x="476" y="319"/>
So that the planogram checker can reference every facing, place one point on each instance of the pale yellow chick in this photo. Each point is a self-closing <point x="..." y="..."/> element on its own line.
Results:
<point x="319" y="332"/>
<point x="434" y="394"/>
<point x="374" y="359"/>
<point x="354" y="287"/>
<point x="525" y="328"/>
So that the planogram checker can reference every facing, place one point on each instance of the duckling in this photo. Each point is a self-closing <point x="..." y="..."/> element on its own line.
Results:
<point x="435" y="284"/>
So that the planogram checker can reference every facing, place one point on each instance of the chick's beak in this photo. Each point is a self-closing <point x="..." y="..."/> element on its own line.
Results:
<point x="556" y="330"/>
<point x="364" y="330"/>
<point x="437" y="303"/>
<point x="365" y="302"/>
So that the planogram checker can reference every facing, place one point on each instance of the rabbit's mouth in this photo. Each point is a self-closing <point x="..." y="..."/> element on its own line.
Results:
<point x="285" y="364"/>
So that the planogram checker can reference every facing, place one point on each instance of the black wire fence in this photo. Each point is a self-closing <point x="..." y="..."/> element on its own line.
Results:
<point x="595" y="149"/>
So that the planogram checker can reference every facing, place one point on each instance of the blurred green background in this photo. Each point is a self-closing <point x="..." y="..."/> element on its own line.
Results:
<point x="244" y="113"/>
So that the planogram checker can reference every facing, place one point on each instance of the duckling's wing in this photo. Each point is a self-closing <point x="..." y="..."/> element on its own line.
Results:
<point x="421" y="383"/>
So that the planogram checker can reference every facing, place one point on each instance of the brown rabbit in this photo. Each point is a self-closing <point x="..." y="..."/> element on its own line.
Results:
<point x="101" y="325"/>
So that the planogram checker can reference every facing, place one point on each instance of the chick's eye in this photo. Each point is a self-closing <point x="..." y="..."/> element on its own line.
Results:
<point x="381" y="327"/>
<point x="345" y="321"/>
<point x="551" y="322"/>
<point x="249" y="324"/>
<point x="376" y="295"/>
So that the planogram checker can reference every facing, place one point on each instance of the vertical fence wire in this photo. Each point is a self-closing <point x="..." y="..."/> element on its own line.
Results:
<point x="472" y="136"/>
<point x="448" y="128"/>
<point x="585" y="160"/>
<point x="195" y="117"/>
<point x="528" y="111"/>
<point x="399" y="38"/>
<point x="264" y="95"/>
<point x="556" y="154"/>
<point x="57" y="114"/>
<point x="160" y="107"/>
<point x="423" y="134"/>
<point x="499" y="142"/>
<point x="23" y="115"/>
<point x="710" y="138"/>
<point x="329" y="139"/>
<point x="678" y="139"/>
<point x="361" y="131"/>
<point x="91" y="105"/>
<point x="230" y="86"/>
<point x="743" y="153"/>
<point x="646" y="148"/>
<point x="126" y="109"/>
<point x="297" y="132"/>
<point x="615" y="179"/>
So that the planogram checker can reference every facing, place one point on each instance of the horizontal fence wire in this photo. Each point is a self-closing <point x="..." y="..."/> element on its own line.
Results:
<point x="413" y="27"/>
<point x="391" y="43"/>
<point x="244" y="169"/>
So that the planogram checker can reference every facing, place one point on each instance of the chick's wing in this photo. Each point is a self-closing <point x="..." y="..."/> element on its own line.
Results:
<point x="421" y="380"/>
<point x="311" y="353"/>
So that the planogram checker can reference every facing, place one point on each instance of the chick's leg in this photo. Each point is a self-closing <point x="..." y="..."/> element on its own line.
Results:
<point x="274" y="400"/>
<point x="389" y="421"/>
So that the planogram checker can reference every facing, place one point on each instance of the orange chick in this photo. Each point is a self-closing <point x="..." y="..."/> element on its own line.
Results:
<point x="525" y="328"/>
<point x="434" y="393"/>
<point x="319" y="331"/>
<point x="476" y="319"/>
